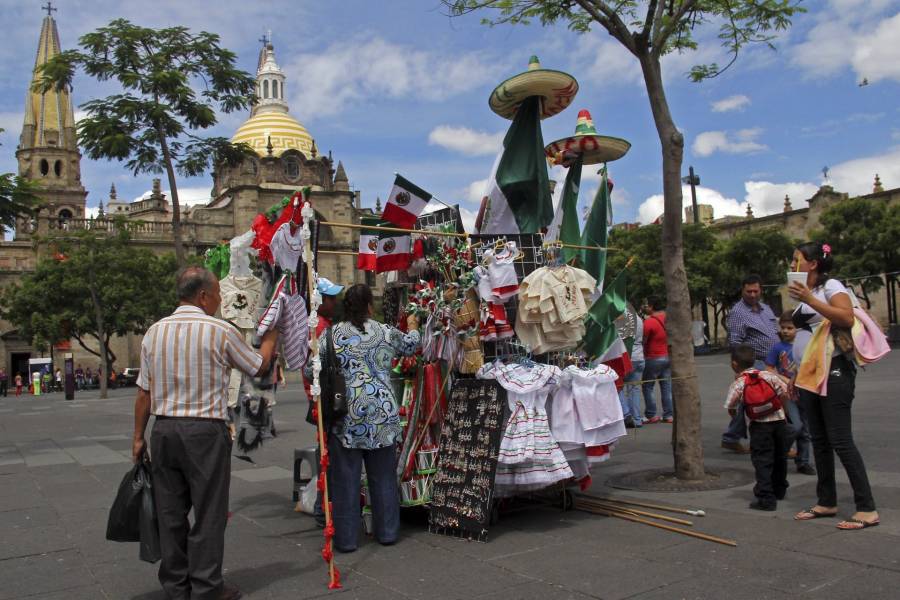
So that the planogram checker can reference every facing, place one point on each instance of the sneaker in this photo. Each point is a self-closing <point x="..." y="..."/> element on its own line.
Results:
<point x="652" y="420"/>
<point x="806" y="469"/>
<point x="668" y="420"/>
<point x="759" y="505"/>
<point x="629" y="422"/>
<point x="736" y="447"/>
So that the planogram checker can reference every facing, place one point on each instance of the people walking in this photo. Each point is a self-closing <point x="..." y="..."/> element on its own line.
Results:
<point x="826" y="300"/>
<point x="4" y="383"/>
<point x="657" y="366"/>
<point x="371" y="428"/>
<point x="79" y="377"/>
<point x="751" y="322"/>
<point x="630" y="395"/>
<point x="18" y="384"/>
<point x="58" y="380"/>
<point x="185" y="362"/>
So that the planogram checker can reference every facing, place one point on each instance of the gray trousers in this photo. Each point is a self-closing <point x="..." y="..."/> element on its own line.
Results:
<point x="191" y="464"/>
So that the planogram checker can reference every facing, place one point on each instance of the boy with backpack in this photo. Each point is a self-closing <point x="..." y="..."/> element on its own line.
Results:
<point x="763" y="395"/>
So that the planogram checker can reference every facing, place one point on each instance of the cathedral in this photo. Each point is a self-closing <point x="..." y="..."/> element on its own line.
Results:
<point x="287" y="159"/>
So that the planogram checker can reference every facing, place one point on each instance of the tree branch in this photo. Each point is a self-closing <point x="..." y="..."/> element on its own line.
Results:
<point x="610" y="21"/>
<point x="649" y="20"/>
<point x="85" y="346"/>
<point x="659" y="40"/>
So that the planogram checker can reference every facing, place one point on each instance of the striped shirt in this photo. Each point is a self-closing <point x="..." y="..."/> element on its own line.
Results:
<point x="186" y="360"/>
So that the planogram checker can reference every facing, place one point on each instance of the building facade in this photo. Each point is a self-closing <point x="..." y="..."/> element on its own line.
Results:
<point x="286" y="159"/>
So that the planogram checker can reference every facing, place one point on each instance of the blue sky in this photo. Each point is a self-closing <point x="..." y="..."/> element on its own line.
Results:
<point x="398" y="86"/>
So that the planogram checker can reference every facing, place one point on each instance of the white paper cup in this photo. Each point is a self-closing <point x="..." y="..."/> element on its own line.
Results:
<point x="798" y="277"/>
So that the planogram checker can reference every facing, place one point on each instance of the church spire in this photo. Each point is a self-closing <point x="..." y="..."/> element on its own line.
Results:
<point x="49" y="116"/>
<point x="269" y="80"/>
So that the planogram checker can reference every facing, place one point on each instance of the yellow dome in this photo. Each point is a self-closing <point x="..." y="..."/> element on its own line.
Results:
<point x="284" y="130"/>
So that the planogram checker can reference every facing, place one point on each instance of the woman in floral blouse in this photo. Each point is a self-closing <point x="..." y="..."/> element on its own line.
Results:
<point x="371" y="429"/>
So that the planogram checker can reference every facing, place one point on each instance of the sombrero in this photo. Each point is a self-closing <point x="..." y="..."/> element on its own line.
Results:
<point x="557" y="89"/>
<point x="594" y="148"/>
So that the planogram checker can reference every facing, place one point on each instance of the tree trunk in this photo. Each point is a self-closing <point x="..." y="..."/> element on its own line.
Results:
<point x="687" y="444"/>
<point x="101" y="333"/>
<point x="176" y="207"/>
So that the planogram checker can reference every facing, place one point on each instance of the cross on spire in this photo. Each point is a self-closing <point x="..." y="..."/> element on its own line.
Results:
<point x="266" y="38"/>
<point x="49" y="8"/>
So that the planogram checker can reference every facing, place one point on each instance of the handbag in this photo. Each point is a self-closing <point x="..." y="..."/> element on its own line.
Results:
<point x="333" y="387"/>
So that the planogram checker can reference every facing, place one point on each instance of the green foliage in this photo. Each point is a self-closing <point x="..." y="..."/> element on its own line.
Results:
<point x="764" y="252"/>
<point x="158" y="71"/>
<point x="130" y="286"/>
<point x="657" y="27"/>
<point x="864" y="236"/>
<point x="19" y="197"/>
<point x="646" y="277"/>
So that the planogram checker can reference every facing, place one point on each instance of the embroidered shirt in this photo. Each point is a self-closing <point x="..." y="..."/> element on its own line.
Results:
<point x="757" y="328"/>
<point x="186" y="359"/>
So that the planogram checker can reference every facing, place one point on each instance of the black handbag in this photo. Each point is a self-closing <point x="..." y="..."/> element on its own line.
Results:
<point x="132" y="517"/>
<point x="333" y="387"/>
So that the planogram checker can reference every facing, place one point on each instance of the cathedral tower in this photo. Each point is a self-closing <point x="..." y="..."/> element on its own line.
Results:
<point x="48" y="150"/>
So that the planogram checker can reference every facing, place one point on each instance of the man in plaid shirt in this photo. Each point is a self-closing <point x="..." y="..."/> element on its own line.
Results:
<point x="751" y="322"/>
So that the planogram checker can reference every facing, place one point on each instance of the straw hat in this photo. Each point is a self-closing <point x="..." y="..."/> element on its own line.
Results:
<point x="557" y="89"/>
<point x="593" y="148"/>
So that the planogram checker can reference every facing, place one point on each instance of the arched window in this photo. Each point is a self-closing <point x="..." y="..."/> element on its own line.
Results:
<point x="64" y="216"/>
<point x="292" y="167"/>
<point x="45" y="166"/>
<point x="266" y="88"/>
<point x="57" y="168"/>
<point x="275" y="89"/>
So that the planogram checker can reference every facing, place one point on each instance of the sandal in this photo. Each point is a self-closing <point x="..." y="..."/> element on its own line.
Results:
<point x="856" y="524"/>
<point x="813" y="514"/>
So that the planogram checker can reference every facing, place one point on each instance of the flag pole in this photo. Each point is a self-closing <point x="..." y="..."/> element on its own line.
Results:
<point x="393" y="229"/>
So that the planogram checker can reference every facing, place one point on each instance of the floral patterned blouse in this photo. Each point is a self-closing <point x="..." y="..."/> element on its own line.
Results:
<point x="372" y="420"/>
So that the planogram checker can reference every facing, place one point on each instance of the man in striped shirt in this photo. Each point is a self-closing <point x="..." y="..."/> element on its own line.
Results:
<point x="186" y="359"/>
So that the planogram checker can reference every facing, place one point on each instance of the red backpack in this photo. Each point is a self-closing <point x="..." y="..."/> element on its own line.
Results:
<point x="760" y="398"/>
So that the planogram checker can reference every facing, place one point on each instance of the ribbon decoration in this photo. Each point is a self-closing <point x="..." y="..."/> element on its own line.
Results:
<point x="315" y="301"/>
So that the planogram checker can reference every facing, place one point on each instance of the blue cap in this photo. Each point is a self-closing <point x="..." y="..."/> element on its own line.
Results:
<point x="327" y="288"/>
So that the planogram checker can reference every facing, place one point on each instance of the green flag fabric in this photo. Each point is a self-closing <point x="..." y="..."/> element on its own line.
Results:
<point x="569" y="230"/>
<point x="600" y="323"/>
<point x="596" y="233"/>
<point x="519" y="199"/>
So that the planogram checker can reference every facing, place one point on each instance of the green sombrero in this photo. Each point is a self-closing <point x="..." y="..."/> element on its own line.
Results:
<point x="556" y="89"/>
<point x="594" y="148"/>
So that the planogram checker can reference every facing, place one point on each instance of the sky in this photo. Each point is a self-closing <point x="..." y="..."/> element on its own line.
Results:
<point x="398" y="86"/>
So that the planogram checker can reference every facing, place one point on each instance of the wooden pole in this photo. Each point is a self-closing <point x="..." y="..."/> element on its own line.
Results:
<point x="634" y="511"/>
<point x="694" y="534"/>
<point x="673" y="509"/>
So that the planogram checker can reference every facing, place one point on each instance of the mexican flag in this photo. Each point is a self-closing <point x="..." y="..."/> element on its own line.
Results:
<point x="596" y="233"/>
<point x="564" y="226"/>
<point x="405" y="203"/>
<point x="601" y="339"/>
<point x="394" y="252"/>
<point x="368" y="245"/>
<point x="519" y="198"/>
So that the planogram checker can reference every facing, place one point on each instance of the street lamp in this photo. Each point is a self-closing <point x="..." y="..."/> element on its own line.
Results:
<point x="694" y="180"/>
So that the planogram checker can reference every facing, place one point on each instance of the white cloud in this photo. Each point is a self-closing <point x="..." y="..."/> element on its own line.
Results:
<point x="351" y="71"/>
<point x="187" y="196"/>
<point x="736" y="102"/>
<point x="857" y="176"/>
<point x="742" y="141"/>
<point x="652" y="207"/>
<point x="767" y="198"/>
<point x="476" y="190"/>
<point x="859" y="34"/>
<point x="466" y="141"/>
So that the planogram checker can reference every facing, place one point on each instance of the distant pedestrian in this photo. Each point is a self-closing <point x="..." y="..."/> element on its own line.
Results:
<point x="630" y="394"/>
<point x="18" y="384"/>
<point x="657" y="365"/>
<point x="822" y="300"/>
<point x="4" y="382"/>
<point x="751" y="322"/>
<point x="79" y="377"/>
<point x="183" y="381"/>
<point x="59" y="381"/>
<point x="88" y="377"/>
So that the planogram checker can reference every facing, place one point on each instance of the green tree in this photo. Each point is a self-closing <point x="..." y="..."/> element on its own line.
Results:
<point x="650" y="29"/>
<point x="94" y="287"/>
<point x="764" y="252"/>
<point x="152" y="124"/>
<point x="865" y="238"/>
<point x="18" y="198"/>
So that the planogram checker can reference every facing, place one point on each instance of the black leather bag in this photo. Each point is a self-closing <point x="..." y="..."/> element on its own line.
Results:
<point x="333" y="387"/>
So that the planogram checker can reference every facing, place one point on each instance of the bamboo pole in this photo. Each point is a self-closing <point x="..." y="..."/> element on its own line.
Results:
<point x="338" y="252"/>
<point x="674" y="509"/>
<point x="577" y="246"/>
<point x="694" y="534"/>
<point x="635" y="511"/>
<point x="393" y="229"/>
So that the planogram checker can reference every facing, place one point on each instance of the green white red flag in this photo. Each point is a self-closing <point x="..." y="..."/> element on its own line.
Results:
<point x="394" y="252"/>
<point x="368" y="245"/>
<point x="405" y="204"/>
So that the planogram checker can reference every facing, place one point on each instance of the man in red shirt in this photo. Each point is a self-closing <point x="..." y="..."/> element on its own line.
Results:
<point x="656" y="362"/>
